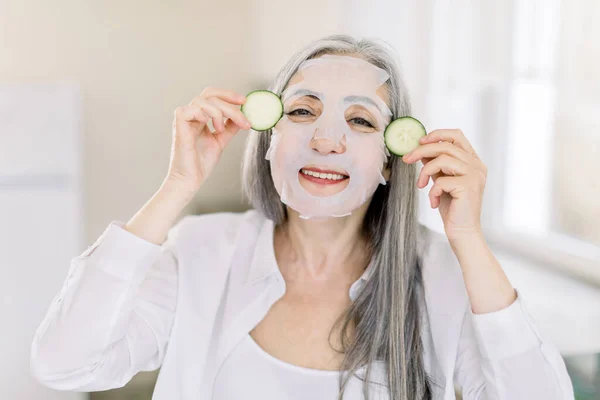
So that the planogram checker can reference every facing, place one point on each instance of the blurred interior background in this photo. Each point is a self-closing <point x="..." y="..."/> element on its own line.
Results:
<point x="88" y="90"/>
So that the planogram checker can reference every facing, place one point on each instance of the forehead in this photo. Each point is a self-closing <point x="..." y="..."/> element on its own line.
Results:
<point x="339" y="76"/>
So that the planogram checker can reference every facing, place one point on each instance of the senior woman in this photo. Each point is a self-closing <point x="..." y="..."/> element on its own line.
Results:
<point x="329" y="287"/>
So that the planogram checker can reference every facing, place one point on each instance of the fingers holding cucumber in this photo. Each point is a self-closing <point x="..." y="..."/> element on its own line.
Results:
<point x="196" y="149"/>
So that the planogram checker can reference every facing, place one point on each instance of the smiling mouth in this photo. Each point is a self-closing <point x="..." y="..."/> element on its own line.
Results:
<point x="322" y="176"/>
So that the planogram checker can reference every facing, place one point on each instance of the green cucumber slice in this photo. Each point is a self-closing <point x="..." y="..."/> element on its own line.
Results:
<point x="263" y="109"/>
<point x="402" y="135"/>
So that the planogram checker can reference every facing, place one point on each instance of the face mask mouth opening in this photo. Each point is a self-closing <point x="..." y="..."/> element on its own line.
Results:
<point x="315" y="171"/>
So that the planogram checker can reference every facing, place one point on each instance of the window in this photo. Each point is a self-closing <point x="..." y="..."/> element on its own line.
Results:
<point x="522" y="80"/>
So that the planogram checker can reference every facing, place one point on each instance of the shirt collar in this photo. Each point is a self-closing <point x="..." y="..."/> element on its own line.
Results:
<point x="264" y="263"/>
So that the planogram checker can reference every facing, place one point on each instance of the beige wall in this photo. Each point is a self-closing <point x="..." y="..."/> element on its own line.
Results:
<point x="136" y="62"/>
<point x="280" y="28"/>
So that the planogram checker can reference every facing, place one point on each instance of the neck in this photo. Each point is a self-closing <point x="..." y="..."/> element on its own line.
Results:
<point x="325" y="249"/>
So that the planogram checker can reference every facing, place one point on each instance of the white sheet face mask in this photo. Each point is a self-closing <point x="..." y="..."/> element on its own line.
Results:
<point x="339" y="82"/>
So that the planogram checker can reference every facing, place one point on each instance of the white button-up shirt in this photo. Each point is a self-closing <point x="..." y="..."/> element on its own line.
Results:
<point x="128" y="305"/>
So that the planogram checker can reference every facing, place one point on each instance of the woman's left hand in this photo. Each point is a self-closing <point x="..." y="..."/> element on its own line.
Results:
<point x="459" y="178"/>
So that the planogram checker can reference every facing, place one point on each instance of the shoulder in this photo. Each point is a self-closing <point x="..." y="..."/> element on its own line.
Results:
<point x="215" y="230"/>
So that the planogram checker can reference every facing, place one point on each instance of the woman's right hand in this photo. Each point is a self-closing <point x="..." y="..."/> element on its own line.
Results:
<point x="195" y="149"/>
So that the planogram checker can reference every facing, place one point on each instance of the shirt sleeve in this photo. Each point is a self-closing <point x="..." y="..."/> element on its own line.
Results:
<point x="112" y="317"/>
<point x="502" y="356"/>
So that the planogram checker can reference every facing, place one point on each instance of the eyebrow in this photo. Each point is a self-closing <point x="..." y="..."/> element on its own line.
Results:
<point x="363" y="100"/>
<point x="304" y="92"/>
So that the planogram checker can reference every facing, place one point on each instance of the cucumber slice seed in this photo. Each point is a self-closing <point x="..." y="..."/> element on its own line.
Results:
<point x="402" y="135"/>
<point x="263" y="109"/>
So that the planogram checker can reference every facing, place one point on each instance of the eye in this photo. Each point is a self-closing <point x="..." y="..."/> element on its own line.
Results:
<point x="362" y="121"/>
<point x="297" y="111"/>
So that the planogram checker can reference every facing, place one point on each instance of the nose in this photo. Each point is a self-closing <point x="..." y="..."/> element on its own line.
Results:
<point x="326" y="146"/>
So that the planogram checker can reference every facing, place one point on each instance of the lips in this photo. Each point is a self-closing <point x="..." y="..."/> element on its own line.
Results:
<point x="326" y="171"/>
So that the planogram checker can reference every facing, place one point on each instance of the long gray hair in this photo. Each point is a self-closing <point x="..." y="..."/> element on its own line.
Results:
<point x="386" y="314"/>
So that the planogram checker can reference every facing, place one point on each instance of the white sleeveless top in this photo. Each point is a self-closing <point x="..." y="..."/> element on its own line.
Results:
<point x="249" y="372"/>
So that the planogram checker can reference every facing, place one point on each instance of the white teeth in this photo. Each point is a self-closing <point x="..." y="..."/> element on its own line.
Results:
<point x="335" y="177"/>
